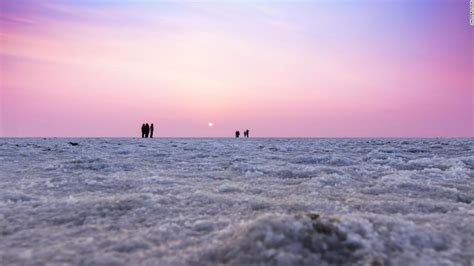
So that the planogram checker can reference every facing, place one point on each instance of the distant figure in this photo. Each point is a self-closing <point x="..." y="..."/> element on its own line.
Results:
<point x="246" y="133"/>
<point x="147" y="130"/>
<point x="237" y="134"/>
<point x="143" y="130"/>
<point x="151" y="130"/>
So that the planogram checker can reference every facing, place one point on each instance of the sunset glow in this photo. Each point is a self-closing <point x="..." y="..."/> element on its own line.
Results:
<point x="297" y="69"/>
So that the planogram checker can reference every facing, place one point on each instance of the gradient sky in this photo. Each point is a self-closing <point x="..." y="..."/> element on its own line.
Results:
<point x="298" y="69"/>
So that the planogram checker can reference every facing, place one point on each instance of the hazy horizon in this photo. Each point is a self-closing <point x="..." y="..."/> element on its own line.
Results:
<point x="281" y="69"/>
<point x="233" y="137"/>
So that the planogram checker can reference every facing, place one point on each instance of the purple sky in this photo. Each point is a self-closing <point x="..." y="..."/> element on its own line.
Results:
<point x="296" y="69"/>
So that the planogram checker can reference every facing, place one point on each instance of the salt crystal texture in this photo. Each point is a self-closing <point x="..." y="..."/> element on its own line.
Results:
<point x="237" y="201"/>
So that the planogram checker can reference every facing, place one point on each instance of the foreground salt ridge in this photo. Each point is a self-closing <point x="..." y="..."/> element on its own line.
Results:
<point x="256" y="201"/>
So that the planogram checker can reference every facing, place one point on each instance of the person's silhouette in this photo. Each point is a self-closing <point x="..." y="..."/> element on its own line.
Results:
<point x="147" y="130"/>
<point x="237" y="134"/>
<point x="151" y="130"/>
<point x="143" y="130"/>
<point x="246" y="133"/>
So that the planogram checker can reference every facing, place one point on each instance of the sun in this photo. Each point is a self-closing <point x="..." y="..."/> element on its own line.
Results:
<point x="210" y="124"/>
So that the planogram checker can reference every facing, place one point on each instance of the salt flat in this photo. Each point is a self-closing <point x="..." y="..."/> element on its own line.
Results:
<point x="237" y="201"/>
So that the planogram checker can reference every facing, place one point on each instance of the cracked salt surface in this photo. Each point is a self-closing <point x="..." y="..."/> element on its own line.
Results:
<point x="237" y="201"/>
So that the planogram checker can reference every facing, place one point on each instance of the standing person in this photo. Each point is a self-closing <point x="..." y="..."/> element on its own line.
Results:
<point x="151" y="130"/>
<point x="143" y="130"/>
<point x="237" y="134"/>
<point x="247" y="133"/>
<point x="147" y="130"/>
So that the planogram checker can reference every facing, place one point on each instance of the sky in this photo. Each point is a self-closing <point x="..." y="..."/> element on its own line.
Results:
<point x="320" y="68"/>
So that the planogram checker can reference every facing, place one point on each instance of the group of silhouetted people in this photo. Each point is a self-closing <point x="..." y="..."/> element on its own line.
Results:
<point x="147" y="130"/>
<point x="246" y="133"/>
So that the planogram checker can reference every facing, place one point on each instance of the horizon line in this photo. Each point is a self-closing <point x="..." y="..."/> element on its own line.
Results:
<point x="259" y="137"/>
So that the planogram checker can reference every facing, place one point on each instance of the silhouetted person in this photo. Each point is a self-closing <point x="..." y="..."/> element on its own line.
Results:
<point x="246" y="133"/>
<point x="143" y="130"/>
<point x="151" y="130"/>
<point x="147" y="130"/>
<point x="237" y="134"/>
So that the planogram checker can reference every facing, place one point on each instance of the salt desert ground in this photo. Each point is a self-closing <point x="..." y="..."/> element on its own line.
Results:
<point x="236" y="201"/>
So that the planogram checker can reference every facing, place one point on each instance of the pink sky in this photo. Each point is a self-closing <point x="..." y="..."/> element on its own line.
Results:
<point x="295" y="69"/>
